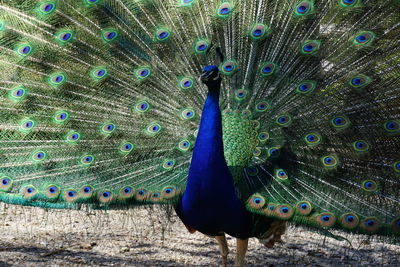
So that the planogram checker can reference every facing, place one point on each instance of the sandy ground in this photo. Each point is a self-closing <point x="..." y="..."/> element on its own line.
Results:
<point x="145" y="237"/>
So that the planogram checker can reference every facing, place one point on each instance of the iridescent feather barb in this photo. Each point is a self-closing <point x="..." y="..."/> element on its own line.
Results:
<point x="101" y="105"/>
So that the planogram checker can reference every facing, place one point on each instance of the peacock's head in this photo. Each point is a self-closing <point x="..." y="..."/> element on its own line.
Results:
<point x="211" y="76"/>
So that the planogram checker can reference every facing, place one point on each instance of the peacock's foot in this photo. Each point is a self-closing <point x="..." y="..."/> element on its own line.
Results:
<point x="223" y="248"/>
<point x="241" y="249"/>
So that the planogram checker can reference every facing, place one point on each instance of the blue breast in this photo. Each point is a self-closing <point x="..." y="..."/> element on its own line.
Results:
<point x="210" y="204"/>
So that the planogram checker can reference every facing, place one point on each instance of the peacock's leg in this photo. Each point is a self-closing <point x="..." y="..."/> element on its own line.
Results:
<point x="223" y="248"/>
<point x="241" y="247"/>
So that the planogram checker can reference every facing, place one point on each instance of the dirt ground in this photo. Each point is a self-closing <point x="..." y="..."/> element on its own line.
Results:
<point x="146" y="237"/>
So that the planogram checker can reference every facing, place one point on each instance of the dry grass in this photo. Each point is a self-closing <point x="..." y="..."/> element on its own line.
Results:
<point x="145" y="237"/>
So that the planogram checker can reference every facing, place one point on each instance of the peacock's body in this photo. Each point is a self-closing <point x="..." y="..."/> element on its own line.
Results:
<point x="101" y="105"/>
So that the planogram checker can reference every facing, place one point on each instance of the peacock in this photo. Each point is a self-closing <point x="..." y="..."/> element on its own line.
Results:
<point x="242" y="115"/>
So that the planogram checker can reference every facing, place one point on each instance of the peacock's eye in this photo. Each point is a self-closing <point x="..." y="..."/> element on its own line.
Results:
<point x="257" y="32"/>
<point x="267" y="69"/>
<point x="66" y="36"/>
<point x="224" y="11"/>
<point x="356" y="81"/>
<point x="302" y="9"/>
<point x="326" y="218"/>
<point x="349" y="218"/>
<point x="228" y="68"/>
<point x="308" y="48"/>
<point x="110" y="35"/>
<point x="25" y="50"/>
<point x="163" y="35"/>
<point x="370" y="223"/>
<point x="284" y="210"/>
<point x="47" y="8"/>
<point x="144" y="73"/>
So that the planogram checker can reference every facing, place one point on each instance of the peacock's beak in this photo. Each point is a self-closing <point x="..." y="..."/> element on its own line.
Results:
<point x="210" y="76"/>
<point x="206" y="76"/>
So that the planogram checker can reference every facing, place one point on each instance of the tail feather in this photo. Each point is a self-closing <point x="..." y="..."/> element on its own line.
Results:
<point x="100" y="104"/>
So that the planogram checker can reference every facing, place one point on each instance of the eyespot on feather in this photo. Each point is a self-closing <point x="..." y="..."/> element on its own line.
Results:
<point x="310" y="47"/>
<point x="270" y="208"/>
<point x="313" y="139"/>
<point x="23" y="50"/>
<point x="284" y="120"/>
<point x="46" y="7"/>
<point x="86" y="192"/>
<point x="304" y="9"/>
<point x="6" y="183"/>
<point x="168" y="192"/>
<point x="284" y="212"/>
<point x="105" y="196"/>
<point x="127" y="192"/>
<point x="17" y="94"/>
<point x="258" y="31"/>
<point x="370" y="225"/>
<point x="330" y="161"/>
<point x="86" y="160"/>
<point x="126" y="147"/>
<point x="109" y="35"/>
<point x="303" y="208"/>
<point x="168" y="164"/>
<point x="141" y="194"/>
<point x="369" y="185"/>
<point x="153" y="129"/>
<point x="70" y="195"/>
<point x="256" y="202"/>
<point x="155" y="197"/>
<point x="201" y="46"/>
<point x="349" y="220"/>
<point x="325" y="219"/>
<point x="52" y="191"/>
<point x="340" y="122"/>
<point x="38" y="156"/>
<point x="224" y="10"/>
<point x="268" y="69"/>
<point x="29" y="192"/>
<point x="27" y="125"/>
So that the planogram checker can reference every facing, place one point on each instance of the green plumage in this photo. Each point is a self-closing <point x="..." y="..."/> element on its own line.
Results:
<point x="100" y="104"/>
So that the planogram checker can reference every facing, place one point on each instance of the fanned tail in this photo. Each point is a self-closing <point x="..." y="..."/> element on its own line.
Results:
<point x="100" y="104"/>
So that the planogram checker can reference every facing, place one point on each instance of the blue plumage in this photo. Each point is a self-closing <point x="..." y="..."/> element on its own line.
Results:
<point x="210" y="204"/>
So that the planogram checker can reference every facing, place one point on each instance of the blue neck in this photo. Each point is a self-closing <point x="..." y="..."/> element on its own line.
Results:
<point x="209" y="147"/>
<point x="209" y="173"/>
